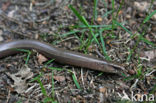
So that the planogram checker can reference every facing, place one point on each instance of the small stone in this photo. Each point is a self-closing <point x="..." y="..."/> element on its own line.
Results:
<point x="131" y="72"/>
<point x="128" y="16"/>
<point x="99" y="19"/>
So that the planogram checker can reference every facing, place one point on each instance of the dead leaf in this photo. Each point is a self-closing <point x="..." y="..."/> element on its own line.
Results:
<point x="103" y="93"/>
<point x="41" y="58"/>
<point x="103" y="89"/>
<point x="59" y="78"/>
<point x="92" y="48"/>
<point x="11" y="13"/>
<point x="5" y="6"/>
<point x="20" y="78"/>
<point x="148" y="55"/>
<point x="142" y="6"/>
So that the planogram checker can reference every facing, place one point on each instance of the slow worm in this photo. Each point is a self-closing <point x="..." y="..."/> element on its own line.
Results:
<point x="60" y="55"/>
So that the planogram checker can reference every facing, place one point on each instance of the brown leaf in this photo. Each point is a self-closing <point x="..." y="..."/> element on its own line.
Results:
<point x="103" y="89"/>
<point x="5" y="6"/>
<point x="59" y="78"/>
<point x="91" y="48"/>
<point x="41" y="58"/>
<point x="132" y="72"/>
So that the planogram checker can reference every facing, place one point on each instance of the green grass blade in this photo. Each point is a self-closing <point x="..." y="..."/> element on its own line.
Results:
<point x="83" y="42"/>
<point x="149" y="16"/>
<point x="23" y="50"/>
<point x="129" y="55"/>
<point x="77" y="14"/>
<point x="54" y="68"/>
<point x="72" y="32"/>
<point x="154" y="89"/>
<point x="113" y="17"/>
<point x="52" y="81"/>
<point x="93" y="26"/>
<point x="99" y="74"/>
<point x="97" y="34"/>
<point x="130" y="78"/>
<point x="47" y="100"/>
<point x="139" y="71"/>
<point x="104" y="48"/>
<point x="84" y="21"/>
<point x="42" y="87"/>
<point x="95" y="9"/>
<point x="107" y="13"/>
<point x="19" y="101"/>
<point x="40" y="83"/>
<point x="123" y="27"/>
<point x="28" y="54"/>
<point x="107" y="28"/>
<point x="122" y="2"/>
<point x="50" y="61"/>
<point x="37" y="77"/>
<point x="91" y="31"/>
<point x="75" y="81"/>
<point x="147" y="41"/>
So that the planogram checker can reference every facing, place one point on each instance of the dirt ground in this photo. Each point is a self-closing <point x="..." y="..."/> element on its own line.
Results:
<point x="53" y="22"/>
